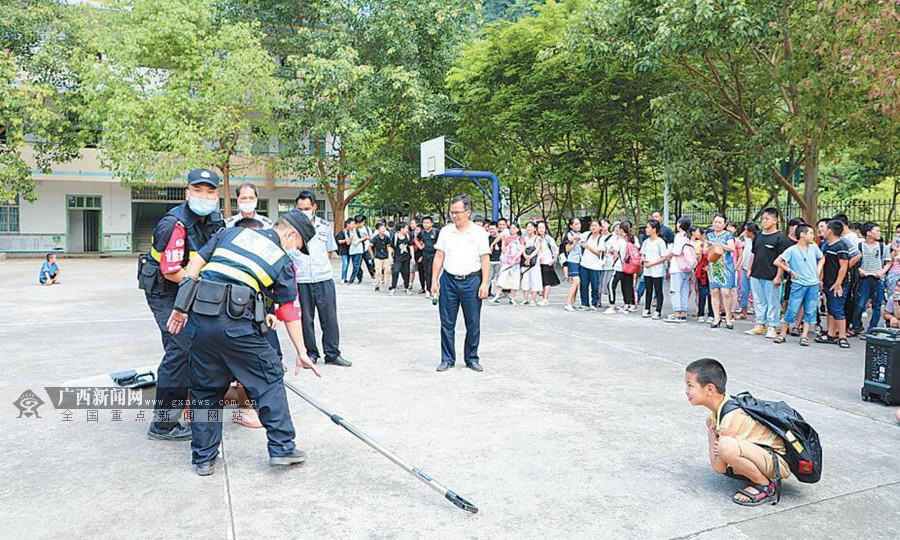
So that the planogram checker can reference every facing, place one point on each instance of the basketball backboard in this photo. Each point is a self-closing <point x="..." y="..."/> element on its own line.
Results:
<point x="432" y="158"/>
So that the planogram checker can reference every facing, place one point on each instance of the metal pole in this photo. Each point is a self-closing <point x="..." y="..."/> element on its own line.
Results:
<point x="415" y="471"/>
<point x="666" y="199"/>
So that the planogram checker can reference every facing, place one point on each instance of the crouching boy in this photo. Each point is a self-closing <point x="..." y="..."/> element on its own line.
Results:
<point x="739" y="446"/>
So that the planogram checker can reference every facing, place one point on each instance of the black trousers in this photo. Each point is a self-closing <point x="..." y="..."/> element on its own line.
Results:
<point x="319" y="296"/>
<point x="400" y="267"/>
<point x="627" y="281"/>
<point x="427" y="261"/>
<point x="653" y="286"/>
<point x="370" y="264"/>
<point x="420" y="267"/>
<point x="173" y="376"/>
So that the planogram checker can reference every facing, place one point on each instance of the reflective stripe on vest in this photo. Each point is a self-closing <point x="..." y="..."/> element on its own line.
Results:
<point x="261" y="274"/>
<point x="233" y="273"/>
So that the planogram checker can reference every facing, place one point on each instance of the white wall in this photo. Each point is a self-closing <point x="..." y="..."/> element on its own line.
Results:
<point x="48" y="214"/>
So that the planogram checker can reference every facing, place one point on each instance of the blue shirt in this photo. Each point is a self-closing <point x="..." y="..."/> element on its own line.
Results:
<point x="803" y="263"/>
<point x="48" y="270"/>
<point x="316" y="266"/>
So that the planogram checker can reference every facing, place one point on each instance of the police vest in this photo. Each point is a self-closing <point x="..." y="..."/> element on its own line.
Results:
<point x="246" y="257"/>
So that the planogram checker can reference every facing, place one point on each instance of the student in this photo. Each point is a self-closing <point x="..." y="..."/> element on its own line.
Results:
<point x="381" y="246"/>
<point x="803" y="262"/>
<point x="591" y="264"/>
<point x="49" y="274"/>
<point x="750" y="232"/>
<point x="343" y="240"/>
<point x="653" y="256"/>
<point x="874" y="264"/>
<point x="402" y="247"/>
<point x="510" y="276"/>
<point x="494" y="242"/>
<point x="683" y="260"/>
<point x="836" y="282"/>
<point x="532" y="282"/>
<point x="701" y="276"/>
<point x="626" y="240"/>
<point x="765" y="277"/>
<point x="739" y="446"/>
<point x="572" y="247"/>
<point x="891" y="312"/>
<point x="549" y="252"/>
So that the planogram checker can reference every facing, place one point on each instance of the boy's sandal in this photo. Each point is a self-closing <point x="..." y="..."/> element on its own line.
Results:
<point x="852" y="333"/>
<point x="795" y="332"/>
<point x="779" y="339"/>
<point x="825" y="338"/>
<point x="804" y="341"/>
<point x="764" y="494"/>
<point x="843" y="343"/>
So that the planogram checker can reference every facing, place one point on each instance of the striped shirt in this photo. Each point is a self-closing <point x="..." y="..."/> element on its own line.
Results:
<point x="740" y="425"/>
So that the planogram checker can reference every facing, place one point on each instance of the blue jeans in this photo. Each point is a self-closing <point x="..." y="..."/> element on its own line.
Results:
<point x="767" y="302"/>
<point x="704" y="300"/>
<point x="640" y="287"/>
<point x="745" y="288"/>
<point x="590" y="283"/>
<point x="869" y="288"/>
<point x="680" y="289"/>
<point x="806" y="296"/>
<point x="345" y="265"/>
<point x="356" y="272"/>
<point x="454" y="294"/>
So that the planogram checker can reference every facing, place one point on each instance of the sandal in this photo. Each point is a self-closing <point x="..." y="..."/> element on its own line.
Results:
<point x="826" y="339"/>
<point x="795" y="332"/>
<point x="779" y="339"/>
<point x="764" y="494"/>
<point x="729" y="326"/>
<point x="852" y="333"/>
<point x="804" y="341"/>
<point x="843" y="343"/>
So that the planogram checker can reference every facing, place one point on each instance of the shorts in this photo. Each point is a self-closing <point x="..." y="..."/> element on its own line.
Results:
<point x="574" y="269"/>
<point x="802" y="295"/>
<point x="762" y="458"/>
<point x="836" y="303"/>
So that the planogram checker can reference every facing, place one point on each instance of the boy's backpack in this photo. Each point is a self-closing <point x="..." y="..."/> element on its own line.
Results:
<point x="631" y="263"/>
<point x="801" y="442"/>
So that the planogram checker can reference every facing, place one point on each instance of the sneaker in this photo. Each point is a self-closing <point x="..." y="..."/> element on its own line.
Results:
<point x="646" y="314"/>
<point x="758" y="330"/>
<point x="495" y="300"/>
<point x="392" y="292"/>
<point x="701" y="319"/>
<point x="579" y="307"/>
<point x="674" y="319"/>
<point x="623" y="309"/>
<point x="377" y="288"/>
<point x="544" y="302"/>
<point x="568" y="307"/>
<point x="408" y="291"/>
<point x="771" y="333"/>
<point x="656" y="316"/>
<point x="611" y="310"/>
<point x="511" y="301"/>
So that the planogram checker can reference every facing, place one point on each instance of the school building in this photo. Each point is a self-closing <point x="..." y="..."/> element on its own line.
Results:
<point x="82" y="208"/>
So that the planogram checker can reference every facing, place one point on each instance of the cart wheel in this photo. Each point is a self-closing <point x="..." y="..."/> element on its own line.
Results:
<point x="865" y="395"/>
<point x="887" y="401"/>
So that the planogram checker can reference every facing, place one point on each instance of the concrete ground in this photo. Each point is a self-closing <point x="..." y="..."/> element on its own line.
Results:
<point x="578" y="428"/>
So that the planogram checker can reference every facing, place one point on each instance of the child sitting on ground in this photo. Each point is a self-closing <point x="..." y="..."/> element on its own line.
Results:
<point x="49" y="274"/>
<point x="739" y="446"/>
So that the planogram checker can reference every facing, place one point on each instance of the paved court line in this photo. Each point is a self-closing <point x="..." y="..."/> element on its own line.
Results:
<point x="783" y="510"/>
<point x="230" y="532"/>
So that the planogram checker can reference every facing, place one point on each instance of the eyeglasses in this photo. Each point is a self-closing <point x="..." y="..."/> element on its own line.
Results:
<point x="461" y="212"/>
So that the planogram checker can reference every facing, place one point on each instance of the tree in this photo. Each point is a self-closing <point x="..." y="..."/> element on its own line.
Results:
<point x="178" y="87"/>
<point x="40" y="93"/>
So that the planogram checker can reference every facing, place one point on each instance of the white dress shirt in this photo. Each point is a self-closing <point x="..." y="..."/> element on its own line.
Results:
<point x="462" y="249"/>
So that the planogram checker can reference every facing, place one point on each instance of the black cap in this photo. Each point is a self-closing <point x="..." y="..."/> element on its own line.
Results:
<point x="304" y="226"/>
<point x="203" y="176"/>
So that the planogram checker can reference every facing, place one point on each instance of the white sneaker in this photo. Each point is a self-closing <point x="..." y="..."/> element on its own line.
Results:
<point x="645" y="314"/>
<point x="568" y="307"/>
<point x="701" y="319"/>
<point x="611" y="310"/>
<point x="579" y="307"/>
<point x="593" y="309"/>
<point x="408" y="291"/>
<point x="392" y="292"/>
<point x="495" y="300"/>
<point x="771" y="333"/>
<point x="544" y="302"/>
<point x="511" y="301"/>
<point x="655" y="316"/>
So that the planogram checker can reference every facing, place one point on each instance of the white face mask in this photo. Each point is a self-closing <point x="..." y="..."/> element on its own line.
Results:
<point x="309" y="213"/>
<point x="247" y="207"/>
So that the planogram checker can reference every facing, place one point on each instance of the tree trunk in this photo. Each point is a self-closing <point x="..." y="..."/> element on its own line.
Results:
<point x="893" y="203"/>
<point x="811" y="180"/>
<point x="746" y="195"/>
<point x="726" y="179"/>
<point x="226" y="186"/>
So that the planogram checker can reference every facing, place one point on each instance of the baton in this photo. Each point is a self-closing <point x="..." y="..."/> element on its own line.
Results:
<point x="415" y="471"/>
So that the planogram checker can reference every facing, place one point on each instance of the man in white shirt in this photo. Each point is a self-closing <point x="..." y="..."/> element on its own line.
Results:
<point x="247" y="199"/>
<point x="462" y="266"/>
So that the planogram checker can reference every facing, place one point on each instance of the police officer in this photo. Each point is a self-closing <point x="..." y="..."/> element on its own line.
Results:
<point x="227" y="323"/>
<point x="177" y="237"/>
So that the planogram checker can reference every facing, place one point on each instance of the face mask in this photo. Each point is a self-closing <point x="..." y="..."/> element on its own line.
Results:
<point x="247" y="207"/>
<point x="203" y="207"/>
<point x="308" y="213"/>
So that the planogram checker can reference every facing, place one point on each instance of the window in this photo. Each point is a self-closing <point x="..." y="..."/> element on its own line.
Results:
<point x="83" y="202"/>
<point x="9" y="217"/>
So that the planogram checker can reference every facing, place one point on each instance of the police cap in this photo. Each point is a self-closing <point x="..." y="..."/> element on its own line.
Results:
<point x="301" y="223"/>
<point x="203" y="176"/>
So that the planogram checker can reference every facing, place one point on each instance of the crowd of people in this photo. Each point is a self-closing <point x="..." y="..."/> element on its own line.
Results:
<point x="826" y="278"/>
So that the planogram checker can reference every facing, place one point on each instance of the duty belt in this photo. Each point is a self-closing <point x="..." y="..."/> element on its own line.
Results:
<point x="215" y="298"/>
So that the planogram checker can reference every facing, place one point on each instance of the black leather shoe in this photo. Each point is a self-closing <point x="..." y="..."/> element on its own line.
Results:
<point x="313" y="359"/>
<point x="475" y="366"/>
<point x="295" y="457"/>
<point x="444" y="366"/>
<point x="206" y="468"/>
<point x="177" y="433"/>
<point x="339" y="361"/>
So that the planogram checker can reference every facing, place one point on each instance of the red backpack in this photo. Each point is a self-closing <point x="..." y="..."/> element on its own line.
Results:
<point x="631" y="263"/>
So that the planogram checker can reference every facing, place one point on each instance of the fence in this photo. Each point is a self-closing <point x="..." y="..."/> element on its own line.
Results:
<point x="862" y="211"/>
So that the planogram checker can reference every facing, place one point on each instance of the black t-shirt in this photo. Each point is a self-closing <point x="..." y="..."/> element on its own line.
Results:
<point x="496" y="249"/>
<point x="767" y="248"/>
<point x="401" y="248"/>
<point x="343" y="249"/>
<point x="380" y="246"/>
<point x="429" y="239"/>
<point x="834" y="254"/>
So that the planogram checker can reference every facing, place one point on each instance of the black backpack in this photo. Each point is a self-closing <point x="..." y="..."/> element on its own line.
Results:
<point x="803" y="449"/>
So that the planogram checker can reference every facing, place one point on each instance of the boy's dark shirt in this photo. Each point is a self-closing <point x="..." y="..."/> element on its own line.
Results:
<point x="343" y="249"/>
<point x="834" y="254"/>
<point x="767" y="248"/>
<point x="380" y="245"/>
<point x="429" y="238"/>
<point x="496" y="249"/>
<point x="401" y="248"/>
